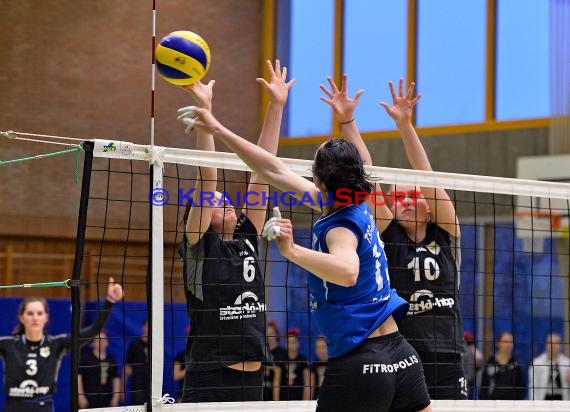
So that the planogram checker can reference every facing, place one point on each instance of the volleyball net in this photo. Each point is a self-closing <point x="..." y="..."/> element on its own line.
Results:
<point x="513" y="275"/>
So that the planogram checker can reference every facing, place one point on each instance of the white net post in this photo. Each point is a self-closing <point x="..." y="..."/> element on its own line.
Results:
<point x="157" y="280"/>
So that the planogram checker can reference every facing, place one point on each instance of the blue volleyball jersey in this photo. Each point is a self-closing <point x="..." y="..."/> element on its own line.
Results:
<point x="347" y="315"/>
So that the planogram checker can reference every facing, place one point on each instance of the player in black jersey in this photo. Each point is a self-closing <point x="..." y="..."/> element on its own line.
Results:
<point x="421" y="234"/>
<point x="224" y="284"/>
<point x="32" y="357"/>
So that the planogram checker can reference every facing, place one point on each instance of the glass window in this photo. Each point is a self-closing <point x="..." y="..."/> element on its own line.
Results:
<point x="305" y="45"/>
<point x="374" y="52"/>
<point x="451" y="61"/>
<point x="522" y="59"/>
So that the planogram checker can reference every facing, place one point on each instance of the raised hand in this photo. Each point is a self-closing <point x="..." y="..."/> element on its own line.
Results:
<point x="202" y="93"/>
<point x="203" y="119"/>
<point x="342" y="104"/>
<point x="402" y="106"/>
<point x="277" y="86"/>
<point x="114" y="291"/>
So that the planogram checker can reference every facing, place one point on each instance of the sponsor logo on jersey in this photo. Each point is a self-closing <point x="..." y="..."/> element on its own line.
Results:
<point x="44" y="351"/>
<point x="28" y="389"/>
<point x="423" y="301"/>
<point x="434" y="248"/>
<point x="246" y="306"/>
<point x="369" y="368"/>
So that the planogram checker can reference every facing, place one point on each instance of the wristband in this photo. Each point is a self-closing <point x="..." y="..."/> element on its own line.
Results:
<point x="350" y="121"/>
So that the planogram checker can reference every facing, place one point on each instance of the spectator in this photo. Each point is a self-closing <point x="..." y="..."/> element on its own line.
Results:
<point x="136" y="367"/>
<point x="295" y="382"/>
<point x="270" y="390"/>
<point x="319" y="367"/>
<point x="549" y="374"/>
<point x="98" y="380"/>
<point x="502" y="376"/>
<point x="472" y="360"/>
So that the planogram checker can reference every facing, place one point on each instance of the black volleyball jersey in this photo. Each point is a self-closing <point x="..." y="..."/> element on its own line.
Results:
<point x="426" y="274"/>
<point x="226" y="299"/>
<point x="30" y="368"/>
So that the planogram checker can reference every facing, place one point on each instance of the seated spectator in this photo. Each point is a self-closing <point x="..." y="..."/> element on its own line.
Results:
<point x="98" y="376"/>
<point x="472" y="360"/>
<point x="319" y="366"/>
<point x="502" y="376"/>
<point x="549" y="374"/>
<point x="136" y="367"/>
<point x="294" y="372"/>
<point x="270" y="378"/>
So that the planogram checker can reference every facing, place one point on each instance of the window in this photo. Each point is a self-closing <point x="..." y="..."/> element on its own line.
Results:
<point x="374" y="51"/>
<point x="451" y="62"/>
<point x="305" y="42"/>
<point x="523" y="82"/>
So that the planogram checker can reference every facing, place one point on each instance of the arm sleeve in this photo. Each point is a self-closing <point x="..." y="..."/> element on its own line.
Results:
<point x="92" y="330"/>
<point x="88" y="333"/>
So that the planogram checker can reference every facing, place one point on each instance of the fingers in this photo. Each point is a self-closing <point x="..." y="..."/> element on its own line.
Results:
<point x="270" y="67"/>
<point x="357" y="95"/>
<point x="415" y="100"/>
<point x="401" y="87"/>
<point x="111" y="280"/>
<point x="284" y="74"/>
<point x="276" y="212"/>
<point x="263" y="82"/>
<point x="326" y="91"/>
<point x="333" y="85"/>
<point x="189" y="123"/>
<point x="386" y="106"/>
<point x="344" y="83"/>
<point x="327" y="101"/>
<point x="392" y="90"/>
<point x="187" y="111"/>
<point x="410" y="90"/>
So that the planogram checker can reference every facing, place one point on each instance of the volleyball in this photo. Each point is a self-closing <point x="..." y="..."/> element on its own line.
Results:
<point x="182" y="58"/>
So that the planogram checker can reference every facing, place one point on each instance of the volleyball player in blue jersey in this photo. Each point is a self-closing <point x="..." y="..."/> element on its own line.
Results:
<point x="371" y="367"/>
<point x="224" y="283"/>
<point x="421" y="235"/>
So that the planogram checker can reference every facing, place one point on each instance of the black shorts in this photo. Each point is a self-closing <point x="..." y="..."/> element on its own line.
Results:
<point x="445" y="375"/>
<point x="382" y="374"/>
<point x="43" y="404"/>
<point x="222" y="385"/>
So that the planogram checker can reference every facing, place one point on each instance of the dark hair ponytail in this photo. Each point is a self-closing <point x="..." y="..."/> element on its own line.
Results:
<point x="339" y="167"/>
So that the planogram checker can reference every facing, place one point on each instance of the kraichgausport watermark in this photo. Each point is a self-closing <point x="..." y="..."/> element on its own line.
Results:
<point x="343" y="197"/>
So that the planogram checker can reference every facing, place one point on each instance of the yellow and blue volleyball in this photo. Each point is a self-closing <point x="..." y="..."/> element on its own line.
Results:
<point x="182" y="57"/>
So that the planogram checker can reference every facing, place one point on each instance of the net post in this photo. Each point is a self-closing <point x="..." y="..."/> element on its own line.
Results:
<point x="156" y="291"/>
<point x="77" y="265"/>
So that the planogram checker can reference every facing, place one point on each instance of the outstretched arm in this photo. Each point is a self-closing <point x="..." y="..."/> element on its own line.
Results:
<point x="441" y="206"/>
<point x="114" y="294"/>
<point x="269" y="167"/>
<point x="278" y="90"/>
<point x="344" y="107"/>
<point x="200" y="214"/>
